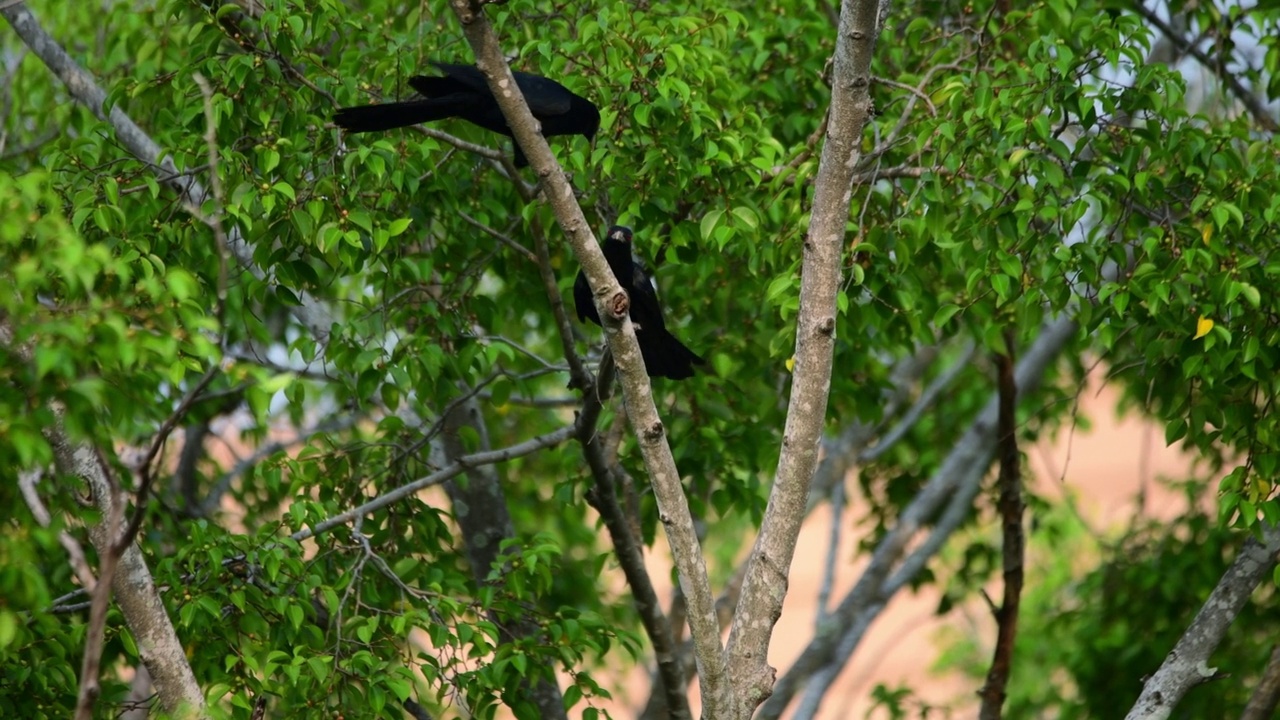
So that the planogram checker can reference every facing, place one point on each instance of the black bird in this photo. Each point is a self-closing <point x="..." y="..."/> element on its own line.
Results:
<point x="462" y="93"/>
<point x="664" y="355"/>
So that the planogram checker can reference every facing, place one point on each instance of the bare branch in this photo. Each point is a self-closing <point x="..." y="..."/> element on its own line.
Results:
<point x="1188" y="663"/>
<point x="770" y="559"/>
<point x="1011" y="508"/>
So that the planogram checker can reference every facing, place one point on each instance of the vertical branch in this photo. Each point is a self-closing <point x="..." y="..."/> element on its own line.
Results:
<point x="669" y="686"/>
<point x="108" y="555"/>
<point x="770" y="559"/>
<point x="1011" y="507"/>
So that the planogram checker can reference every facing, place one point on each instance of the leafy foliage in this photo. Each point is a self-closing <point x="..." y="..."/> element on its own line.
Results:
<point x="1041" y="166"/>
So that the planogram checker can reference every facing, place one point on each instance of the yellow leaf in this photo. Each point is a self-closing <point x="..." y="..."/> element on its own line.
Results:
<point x="1203" y="326"/>
<point x="1206" y="232"/>
<point x="791" y="364"/>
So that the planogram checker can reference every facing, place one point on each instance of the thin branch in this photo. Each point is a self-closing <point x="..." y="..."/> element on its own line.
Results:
<point x="670" y="685"/>
<point x="145" y="468"/>
<point x="27" y="481"/>
<point x="833" y="551"/>
<point x="95" y="632"/>
<point x="1012" y="548"/>
<point x="500" y="237"/>
<point x="452" y="470"/>
<point x="579" y="376"/>
<point x="917" y="410"/>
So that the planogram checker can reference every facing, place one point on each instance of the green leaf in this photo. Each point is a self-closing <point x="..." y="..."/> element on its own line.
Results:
<point x="709" y="223"/>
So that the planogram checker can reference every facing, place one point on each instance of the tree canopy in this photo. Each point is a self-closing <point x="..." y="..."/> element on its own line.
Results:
<point x="239" y="348"/>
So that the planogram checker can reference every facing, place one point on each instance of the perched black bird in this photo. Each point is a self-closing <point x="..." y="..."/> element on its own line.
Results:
<point x="463" y="93"/>
<point x="664" y="355"/>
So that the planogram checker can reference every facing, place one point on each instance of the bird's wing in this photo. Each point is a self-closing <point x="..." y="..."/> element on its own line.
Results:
<point x="643" y="292"/>
<point x="438" y="87"/>
<point x="582" y="300"/>
<point x="546" y="98"/>
<point x="464" y="76"/>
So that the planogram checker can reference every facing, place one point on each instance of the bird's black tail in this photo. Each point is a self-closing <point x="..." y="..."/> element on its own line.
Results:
<point x="665" y="356"/>
<point x="387" y="116"/>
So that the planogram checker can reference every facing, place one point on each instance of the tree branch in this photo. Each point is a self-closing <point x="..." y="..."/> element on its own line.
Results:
<point x="457" y="467"/>
<point x="637" y="392"/>
<point x="770" y="559"/>
<point x="108" y="557"/>
<point x="1011" y="508"/>
<point x="1266" y="695"/>
<point x="1188" y="663"/>
<point x="669" y="687"/>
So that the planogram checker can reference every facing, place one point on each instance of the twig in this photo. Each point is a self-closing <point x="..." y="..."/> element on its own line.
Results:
<point x="917" y="410"/>
<point x="1011" y="508"/>
<point x="500" y="237"/>
<point x="145" y="469"/>
<point x="579" y="376"/>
